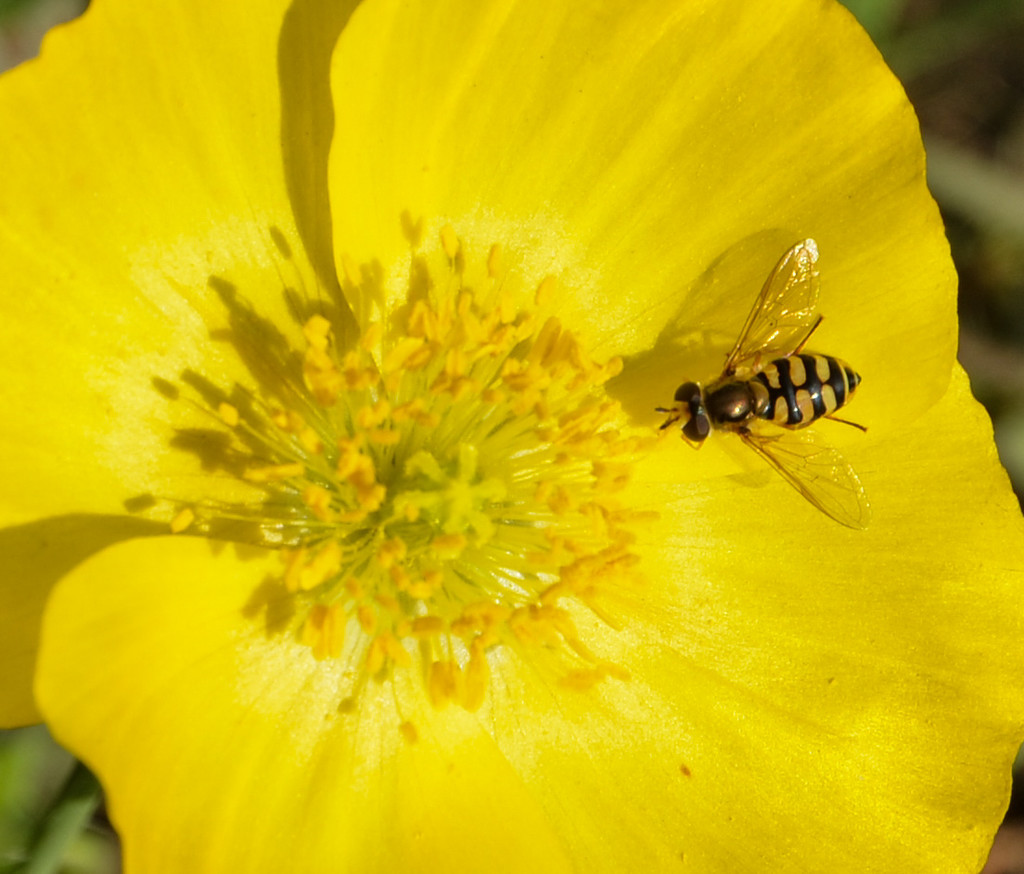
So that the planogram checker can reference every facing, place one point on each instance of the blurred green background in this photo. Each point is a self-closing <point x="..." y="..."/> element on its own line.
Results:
<point x="962" y="63"/>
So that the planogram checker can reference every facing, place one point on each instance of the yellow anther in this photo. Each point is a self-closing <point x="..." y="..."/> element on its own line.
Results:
<point x="350" y="459"/>
<point x="476" y="335"/>
<point x="545" y="291"/>
<point x="317" y="360"/>
<point x="424" y="627"/>
<point x="584" y="679"/>
<point x="367" y="618"/>
<point x="563" y="353"/>
<point x="371" y="497"/>
<point x="543" y="491"/>
<point x="384" y="436"/>
<point x="351" y="517"/>
<point x="555" y="556"/>
<point x="408" y="411"/>
<point x="306" y="569"/>
<point x="363" y="475"/>
<point x="545" y="341"/>
<point x="376" y="656"/>
<point x="494" y="261"/>
<point x="182" y="520"/>
<point x="391" y="551"/>
<point x="275" y="472"/>
<point x="507" y="312"/>
<point x="457" y="387"/>
<point x="324" y="631"/>
<point x="317" y="332"/>
<point x="479" y="617"/>
<point x="289" y="421"/>
<point x="371" y="338"/>
<point x="311" y="441"/>
<point x="349" y="269"/>
<point x="228" y="414"/>
<point x="463" y="627"/>
<point x="350" y="447"/>
<point x="455" y="362"/>
<point x="448" y="546"/>
<point x="555" y="591"/>
<point x="388" y="602"/>
<point x="294" y="560"/>
<point x="423" y="322"/>
<point x="324" y="565"/>
<point x="355" y="373"/>
<point x="420" y="358"/>
<point x="398" y="355"/>
<point x="464" y="303"/>
<point x="443" y="681"/>
<point x="562" y="501"/>
<point x="477" y="676"/>
<point x="394" y="650"/>
<point x="518" y="375"/>
<point x="409" y="733"/>
<point x="543" y="624"/>
<point x="425" y="588"/>
<point x="611" y="369"/>
<point x="420" y="590"/>
<point x="318" y="499"/>
<point x="610" y="476"/>
<point x="372" y="415"/>
<point x="449" y="242"/>
<point x="400" y="577"/>
<point x="406" y="508"/>
<point x="322" y="377"/>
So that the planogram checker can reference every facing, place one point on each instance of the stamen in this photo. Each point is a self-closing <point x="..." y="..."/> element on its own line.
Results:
<point x="183" y="520"/>
<point x="442" y="487"/>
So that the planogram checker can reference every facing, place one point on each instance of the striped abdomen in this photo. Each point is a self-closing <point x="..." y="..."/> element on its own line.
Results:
<point x="805" y="387"/>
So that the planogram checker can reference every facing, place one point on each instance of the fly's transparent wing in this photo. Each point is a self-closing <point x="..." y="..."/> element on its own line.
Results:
<point x="784" y="310"/>
<point x="817" y="471"/>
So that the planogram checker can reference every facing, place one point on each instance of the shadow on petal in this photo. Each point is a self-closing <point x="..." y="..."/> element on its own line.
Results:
<point x="36" y="556"/>
<point x="308" y="35"/>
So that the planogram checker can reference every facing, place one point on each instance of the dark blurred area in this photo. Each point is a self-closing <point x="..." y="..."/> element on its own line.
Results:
<point x="962" y="63"/>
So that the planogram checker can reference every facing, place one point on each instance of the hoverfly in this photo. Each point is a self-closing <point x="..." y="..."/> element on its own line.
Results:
<point x="768" y="378"/>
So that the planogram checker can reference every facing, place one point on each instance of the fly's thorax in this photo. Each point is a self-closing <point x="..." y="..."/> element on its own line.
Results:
<point x="733" y="402"/>
<point x="804" y="388"/>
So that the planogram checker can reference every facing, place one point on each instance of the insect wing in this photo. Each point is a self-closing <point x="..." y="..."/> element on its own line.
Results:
<point x="783" y="311"/>
<point x="817" y="471"/>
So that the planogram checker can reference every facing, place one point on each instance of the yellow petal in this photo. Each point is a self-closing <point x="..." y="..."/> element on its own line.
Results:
<point x="158" y="668"/>
<point x="631" y="153"/>
<point x="658" y="158"/>
<point x="35" y="557"/>
<point x="865" y="681"/>
<point x="152" y="161"/>
<point x="838" y="681"/>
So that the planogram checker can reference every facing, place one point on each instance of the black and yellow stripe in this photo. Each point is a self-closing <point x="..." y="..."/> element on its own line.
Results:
<point x="803" y="388"/>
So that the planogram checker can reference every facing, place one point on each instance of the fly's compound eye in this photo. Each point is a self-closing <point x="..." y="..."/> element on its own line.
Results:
<point x="697" y="427"/>
<point x="687" y="392"/>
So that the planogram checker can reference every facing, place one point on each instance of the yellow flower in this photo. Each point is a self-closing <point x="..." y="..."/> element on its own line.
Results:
<point x="332" y="341"/>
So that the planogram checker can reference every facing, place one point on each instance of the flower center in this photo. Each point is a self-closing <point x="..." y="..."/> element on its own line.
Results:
<point x="442" y="488"/>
